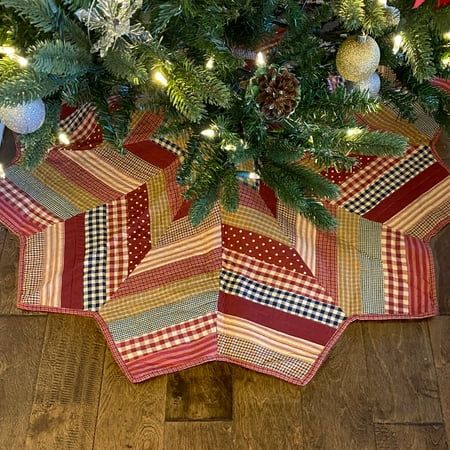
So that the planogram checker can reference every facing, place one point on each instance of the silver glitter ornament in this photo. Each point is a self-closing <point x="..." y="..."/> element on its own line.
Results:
<point x="24" y="118"/>
<point x="371" y="84"/>
<point x="357" y="58"/>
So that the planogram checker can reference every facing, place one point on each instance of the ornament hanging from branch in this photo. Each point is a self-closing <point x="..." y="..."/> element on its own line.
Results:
<point x="24" y="118"/>
<point x="112" y="18"/>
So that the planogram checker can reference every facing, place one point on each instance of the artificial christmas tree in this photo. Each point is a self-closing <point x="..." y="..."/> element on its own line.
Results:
<point x="187" y="60"/>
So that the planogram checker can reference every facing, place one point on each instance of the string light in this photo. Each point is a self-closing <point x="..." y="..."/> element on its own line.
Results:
<point x="63" y="138"/>
<point x="398" y="41"/>
<point x="210" y="63"/>
<point x="230" y="147"/>
<point x="446" y="36"/>
<point x="260" y="60"/>
<point x="11" y="53"/>
<point x="446" y="61"/>
<point x="2" y="172"/>
<point x="159" y="78"/>
<point x="352" y="132"/>
<point x="382" y="3"/>
<point x="208" y="132"/>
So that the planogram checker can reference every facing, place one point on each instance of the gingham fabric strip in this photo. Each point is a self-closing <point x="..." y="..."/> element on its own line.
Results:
<point x="164" y="316"/>
<point x="276" y="319"/>
<point x="274" y="340"/>
<point x="96" y="237"/>
<point x="44" y="196"/>
<point x="372" y="279"/>
<point x="240" y="351"/>
<point x="183" y="355"/>
<point x="174" y="335"/>
<point x="390" y="181"/>
<point x="33" y="270"/>
<point x="244" y="287"/>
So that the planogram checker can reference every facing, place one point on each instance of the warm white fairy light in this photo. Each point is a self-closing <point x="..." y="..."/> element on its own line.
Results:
<point x="260" y="59"/>
<point x="352" y="132"/>
<point x="11" y="53"/>
<point x="63" y="138"/>
<point x="382" y="3"/>
<point x="230" y="147"/>
<point x="160" y="78"/>
<point x="2" y="172"/>
<point x="210" y="63"/>
<point x="208" y="132"/>
<point x="398" y="41"/>
<point x="446" y="36"/>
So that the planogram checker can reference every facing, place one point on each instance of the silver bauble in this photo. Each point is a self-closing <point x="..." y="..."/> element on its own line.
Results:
<point x="357" y="58"/>
<point x="371" y="84"/>
<point x="392" y="16"/>
<point x="24" y="118"/>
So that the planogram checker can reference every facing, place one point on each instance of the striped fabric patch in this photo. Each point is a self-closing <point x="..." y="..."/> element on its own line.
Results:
<point x="164" y="316"/>
<point x="392" y="180"/>
<point x="241" y="286"/>
<point x="95" y="261"/>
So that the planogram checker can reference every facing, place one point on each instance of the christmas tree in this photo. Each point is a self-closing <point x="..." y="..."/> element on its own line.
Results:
<point x="251" y="84"/>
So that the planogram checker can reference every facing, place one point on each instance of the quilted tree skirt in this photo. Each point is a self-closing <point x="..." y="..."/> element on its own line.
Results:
<point x="107" y="236"/>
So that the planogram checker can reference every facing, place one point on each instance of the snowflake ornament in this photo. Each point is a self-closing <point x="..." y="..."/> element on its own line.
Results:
<point x="113" y="19"/>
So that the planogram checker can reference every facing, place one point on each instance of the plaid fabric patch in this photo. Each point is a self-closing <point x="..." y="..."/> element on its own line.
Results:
<point x="391" y="181"/>
<point x="94" y="274"/>
<point x="395" y="272"/>
<point x="255" y="354"/>
<point x="32" y="279"/>
<point x="168" y="337"/>
<point x="235" y="284"/>
<point x="172" y="147"/>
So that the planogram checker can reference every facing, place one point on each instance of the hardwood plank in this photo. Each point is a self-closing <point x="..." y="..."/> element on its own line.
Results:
<point x="20" y="353"/>
<point x="402" y="376"/>
<point x="267" y="412"/>
<point x="410" y="437"/>
<point x="198" y="435"/>
<point x="440" y="342"/>
<point x="201" y="393"/>
<point x="68" y="386"/>
<point x="130" y="415"/>
<point x="336" y="403"/>
<point x="440" y="245"/>
<point x="9" y="263"/>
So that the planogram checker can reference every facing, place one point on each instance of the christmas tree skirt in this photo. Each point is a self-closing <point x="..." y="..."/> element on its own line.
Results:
<point x="107" y="235"/>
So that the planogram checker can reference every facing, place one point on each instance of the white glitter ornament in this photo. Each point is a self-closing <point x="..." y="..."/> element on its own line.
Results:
<point x="24" y="118"/>
<point x="357" y="58"/>
<point x="371" y="84"/>
<point x="392" y="16"/>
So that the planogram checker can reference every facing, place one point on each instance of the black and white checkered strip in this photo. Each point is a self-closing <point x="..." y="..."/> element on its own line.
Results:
<point x="74" y="120"/>
<point x="168" y="145"/>
<point x="241" y="286"/>
<point x="392" y="180"/>
<point x="95" y="259"/>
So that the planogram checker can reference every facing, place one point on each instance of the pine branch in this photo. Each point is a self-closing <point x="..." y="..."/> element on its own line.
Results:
<point x="123" y="66"/>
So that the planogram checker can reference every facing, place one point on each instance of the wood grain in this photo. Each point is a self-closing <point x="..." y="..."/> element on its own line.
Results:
<point x="68" y="386"/>
<point x="267" y="412"/>
<point x="198" y="436"/>
<point x="440" y="342"/>
<point x="20" y="353"/>
<point x="8" y="273"/>
<point x="410" y="437"/>
<point x="337" y="400"/>
<point x="201" y="393"/>
<point x="402" y="376"/>
<point x="440" y="245"/>
<point x="130" y="415"/>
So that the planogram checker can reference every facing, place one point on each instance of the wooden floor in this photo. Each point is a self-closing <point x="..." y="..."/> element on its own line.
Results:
<point x="386" y="385"/>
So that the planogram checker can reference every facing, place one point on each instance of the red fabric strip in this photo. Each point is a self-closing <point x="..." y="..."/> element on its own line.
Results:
<point x="419" y="288"/>
<point x="410" y="191"/>
<point x="72" y="277"/>
<point x="275" y="319"/>
<point x="81" y="178"/>
<point x="152" y="153"/>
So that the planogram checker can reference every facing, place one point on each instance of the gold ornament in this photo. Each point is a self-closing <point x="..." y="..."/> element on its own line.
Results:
<point x="392" y="16"/>
<point x="358" y="58"/>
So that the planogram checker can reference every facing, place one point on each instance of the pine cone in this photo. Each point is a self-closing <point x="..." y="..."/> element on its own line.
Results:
<point x="278" y="93"/>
